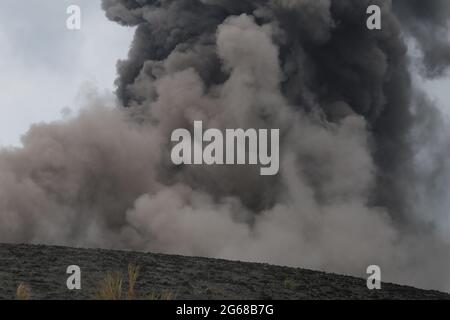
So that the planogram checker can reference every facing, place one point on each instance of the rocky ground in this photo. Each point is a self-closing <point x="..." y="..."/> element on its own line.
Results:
<point x="43" y="269"/>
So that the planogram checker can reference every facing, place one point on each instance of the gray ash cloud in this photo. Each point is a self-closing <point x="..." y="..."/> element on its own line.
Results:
<point x="363" y="173"/>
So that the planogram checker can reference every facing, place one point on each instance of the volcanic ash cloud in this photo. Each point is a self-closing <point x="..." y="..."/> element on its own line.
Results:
<point x="354" y="188"/>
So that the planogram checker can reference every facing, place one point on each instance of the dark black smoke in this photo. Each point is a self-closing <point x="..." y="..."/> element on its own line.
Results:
<point x="329" y="60"/>
<point x="428" y="23"/>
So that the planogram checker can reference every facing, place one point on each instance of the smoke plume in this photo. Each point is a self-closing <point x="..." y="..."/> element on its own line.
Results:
<point x="364" y="169"/>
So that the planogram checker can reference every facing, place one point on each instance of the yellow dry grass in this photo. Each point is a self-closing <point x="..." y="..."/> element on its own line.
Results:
<point x="23" y="292"/>
<point x="163" y="295"/>
<point x="112" y="287"/>
<point x="133" y="273"/>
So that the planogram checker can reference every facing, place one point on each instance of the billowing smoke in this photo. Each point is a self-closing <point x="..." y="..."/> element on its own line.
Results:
<point x="364" y="173"/>
<point x="427" y="21"/>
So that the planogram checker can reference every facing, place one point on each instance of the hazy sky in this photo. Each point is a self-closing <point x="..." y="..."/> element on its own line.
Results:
<point x="43" y="65"/>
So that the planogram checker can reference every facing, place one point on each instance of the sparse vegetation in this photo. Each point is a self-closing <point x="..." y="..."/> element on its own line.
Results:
<point x="290" y="284"/>
<point x="133" y="273"/>
<point x="23" y="292"/>
<point x="112" y="287"/>
<point x="176" y="277"/>
<point x="163" y="295"/>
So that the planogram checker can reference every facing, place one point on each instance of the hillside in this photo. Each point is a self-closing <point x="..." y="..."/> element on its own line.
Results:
<point x="43" y="269"/>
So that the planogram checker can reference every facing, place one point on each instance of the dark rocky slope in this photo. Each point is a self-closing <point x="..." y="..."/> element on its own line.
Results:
<point x="43" y="269"/>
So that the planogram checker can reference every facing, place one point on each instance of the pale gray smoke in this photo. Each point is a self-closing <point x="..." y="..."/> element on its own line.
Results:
<point x="363" y="178"/>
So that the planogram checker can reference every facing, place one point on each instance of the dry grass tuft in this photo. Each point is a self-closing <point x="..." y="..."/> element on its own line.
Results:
<point x="23" y="292"/>
<point x="110" y="287"/>
<point x="290" y="284"/>
<point x="133" y="273"/>
<point x="163" y="295"/>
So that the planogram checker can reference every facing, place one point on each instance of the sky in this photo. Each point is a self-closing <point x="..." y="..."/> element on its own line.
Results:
<point x="45" y="67"/>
